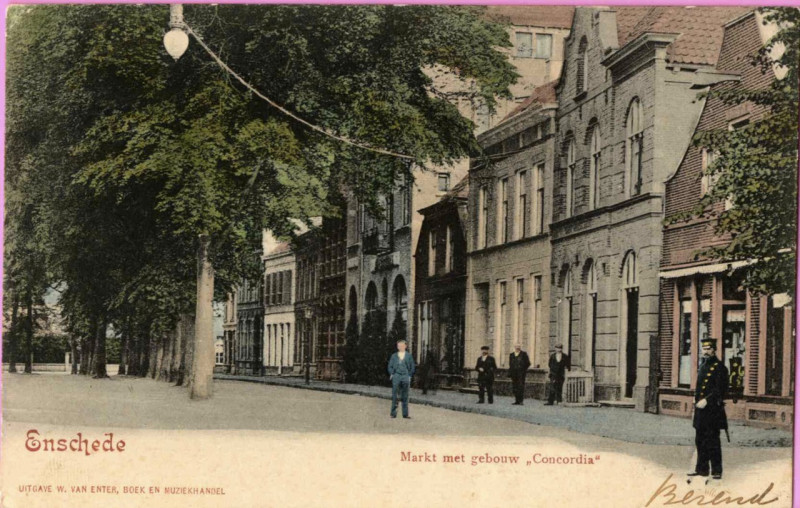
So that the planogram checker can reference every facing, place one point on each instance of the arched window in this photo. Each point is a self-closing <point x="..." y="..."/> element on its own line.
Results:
<point x="568" y="198"/>
<point x="371" y="299"/>
<point x="566" y="312"/>
<point x="633" y="148"/>
<point x="594" y="168"/>
<point x="400" y="296"/>
<point x="629" y="279"/>
<point x="591" y="316"/>
<point x="583" y="67"/>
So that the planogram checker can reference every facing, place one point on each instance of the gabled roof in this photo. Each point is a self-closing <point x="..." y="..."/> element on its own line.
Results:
<point x="279" y="248"/>
<point x="545" y="16"/>
<point x="700" y="28"/>
<point x="459" y="190"/>
<point x="543" y="94"/>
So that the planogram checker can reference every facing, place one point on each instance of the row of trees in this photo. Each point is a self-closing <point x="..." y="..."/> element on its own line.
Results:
<point x="138" y="187"/>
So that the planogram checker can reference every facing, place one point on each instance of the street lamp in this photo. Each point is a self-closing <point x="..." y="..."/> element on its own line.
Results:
<point x="176" y="40"/>
<point x="308" y="314"/>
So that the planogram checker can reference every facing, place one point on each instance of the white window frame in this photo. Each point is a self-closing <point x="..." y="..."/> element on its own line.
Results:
<point x="594" y="168"/>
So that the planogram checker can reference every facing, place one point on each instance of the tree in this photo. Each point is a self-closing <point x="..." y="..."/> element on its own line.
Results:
<point x="755" y="167"/>
<point x="181" y="147"/>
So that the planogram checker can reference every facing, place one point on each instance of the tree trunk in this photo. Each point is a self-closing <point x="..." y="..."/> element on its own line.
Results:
<point x="73" y="346"/>
<point x="187" y="350"/>
<point x="169" y="350"/>
<point x="84" y="356"/>
<point x="177" y="351"/>
<point x="123" y="348"/>
<point x="29" y="335"/>
<point x="99" y="370"/>
<point x="13" y="336"/>
<point x="153" y="356"/>
<point x="202" y="373"/>
<point x="161" y="353"/>
<point x="91" y="341"/>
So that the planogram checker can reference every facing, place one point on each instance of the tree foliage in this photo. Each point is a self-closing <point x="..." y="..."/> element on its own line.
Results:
<point x="119" y="158"/>
<point x="755" y="169"/>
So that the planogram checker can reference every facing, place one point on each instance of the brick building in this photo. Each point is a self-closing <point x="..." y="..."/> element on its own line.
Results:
<point x="319" y="302"/>
<point x="441" y="282"/>
<point x="509" y="255"/>
<point x="279" y="317"/>
<point x="628" y="106"/>
<point x="702" y="298"/>
<point x="248" y="353"/>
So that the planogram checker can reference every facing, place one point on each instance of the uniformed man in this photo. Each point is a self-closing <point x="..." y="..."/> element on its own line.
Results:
<point x="709" y="411"/>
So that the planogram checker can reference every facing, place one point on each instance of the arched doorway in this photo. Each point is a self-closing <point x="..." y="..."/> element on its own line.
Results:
<point x="589" y="360"/>
<point x="629" y="300"/>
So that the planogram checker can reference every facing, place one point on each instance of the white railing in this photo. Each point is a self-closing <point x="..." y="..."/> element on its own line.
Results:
<point x="579" y="388"/>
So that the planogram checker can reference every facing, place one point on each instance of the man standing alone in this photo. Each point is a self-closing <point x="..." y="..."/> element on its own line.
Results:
<point x="709" y="411"/>
<point x="518" y="364"/>
<point x="485" y="367"/>
<point x="558" y="364"/>
<point x="401" y="368"/>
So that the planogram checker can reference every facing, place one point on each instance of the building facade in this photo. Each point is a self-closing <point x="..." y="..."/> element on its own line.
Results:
<point x="510" y="200"/>
<point x="249" y="344"/>
<point x="229" y="325"/>
<point x="441" y="283"/>
<point x="279" y="297"/>
<point x="703" y="298"/>
<point x="380" y="268"/>
<point x="628" y="105"/>
<point x="319" y="305"/>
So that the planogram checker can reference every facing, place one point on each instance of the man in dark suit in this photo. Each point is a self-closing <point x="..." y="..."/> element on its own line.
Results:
<point x="401" y="369"/>
<point x="518" y="364"/>
<point x="559" y="365"/>
<point x="485" y="367"/>
<point x="709" y="411"/>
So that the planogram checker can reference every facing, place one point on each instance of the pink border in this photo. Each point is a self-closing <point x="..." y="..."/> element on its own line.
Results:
<point x="789" y="3"/>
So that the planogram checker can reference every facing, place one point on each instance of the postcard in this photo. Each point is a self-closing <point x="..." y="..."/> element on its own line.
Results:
<point x="264" y="255"/>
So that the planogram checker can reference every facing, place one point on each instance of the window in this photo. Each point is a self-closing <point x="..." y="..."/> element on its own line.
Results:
<point x="539" y="207"/>
<point x="536" y="312"/>
<point x="594" y="169"/>
<point x="522" y="214"/>
<point x="633" y="148"/>
<point x="483" y="117"/>
<point x="424" y="325"/>
<point x="483" y="218"/>
<point x="582" y="68"/>
<point x="566" y="325"/>
<point x="444" y="182"/>
<point x="502" y="213"/>
<point x="500" y="320"/>
<point x="432" y="253"/>
<point x="570" y="176"/>
<point x="450" y="250"/>
<point x="544" y="45"/>
<point x="519" y="311"/>
<point x="708" y="180"/>
<point x="524" y="45"/>
<point x="591" y="317"/>
<point x="405" y="204"/>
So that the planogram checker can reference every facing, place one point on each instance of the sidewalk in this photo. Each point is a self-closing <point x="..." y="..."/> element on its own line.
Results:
<point x="621" y="424"/>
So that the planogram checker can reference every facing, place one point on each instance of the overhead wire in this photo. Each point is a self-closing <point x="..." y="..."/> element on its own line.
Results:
<point x="317" y="128"/>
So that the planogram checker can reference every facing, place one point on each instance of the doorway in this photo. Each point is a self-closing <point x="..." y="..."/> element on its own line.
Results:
<point x="632" y="341"/>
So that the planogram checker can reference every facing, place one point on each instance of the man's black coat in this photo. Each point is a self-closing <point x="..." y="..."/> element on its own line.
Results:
<point x="712" y="385"/>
